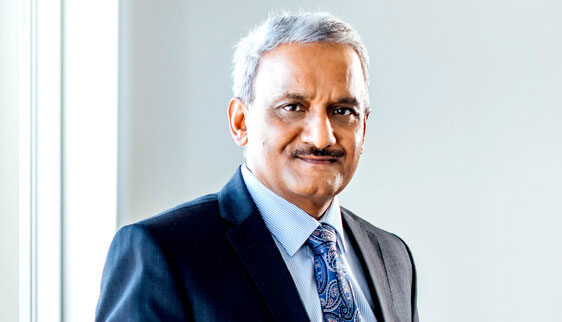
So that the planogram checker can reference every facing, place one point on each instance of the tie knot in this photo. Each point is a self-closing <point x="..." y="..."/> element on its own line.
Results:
<point x="322" y="239"/>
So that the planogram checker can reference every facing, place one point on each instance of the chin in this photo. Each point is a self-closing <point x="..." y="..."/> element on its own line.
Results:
<point x="316" y="190"/>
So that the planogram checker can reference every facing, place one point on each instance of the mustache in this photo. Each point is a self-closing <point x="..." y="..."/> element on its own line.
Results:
<point x="318" y="152"/>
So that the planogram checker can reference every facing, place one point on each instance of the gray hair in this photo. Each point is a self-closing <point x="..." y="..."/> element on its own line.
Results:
<point x="304" y="27"/>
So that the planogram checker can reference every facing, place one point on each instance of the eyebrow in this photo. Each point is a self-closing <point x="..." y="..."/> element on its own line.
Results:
<point x="348" y="101"/>
<point x="304" y="97"/>
<point x="295" y="96"/>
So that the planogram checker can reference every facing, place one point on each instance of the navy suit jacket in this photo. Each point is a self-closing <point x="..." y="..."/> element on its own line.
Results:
<point x="213" y="259"/>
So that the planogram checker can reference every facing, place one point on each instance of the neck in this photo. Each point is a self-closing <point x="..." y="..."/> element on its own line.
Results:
<point x="314" y="207"/>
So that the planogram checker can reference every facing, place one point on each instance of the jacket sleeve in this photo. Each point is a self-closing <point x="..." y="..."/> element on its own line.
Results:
<point x="415" y="317"/>
<point x="414" y="286"/>
<point x="137" y="282"/>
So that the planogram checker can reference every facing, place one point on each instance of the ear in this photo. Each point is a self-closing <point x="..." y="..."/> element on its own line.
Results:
<point x="367" y="113"/>
<point x="237" y="121"/>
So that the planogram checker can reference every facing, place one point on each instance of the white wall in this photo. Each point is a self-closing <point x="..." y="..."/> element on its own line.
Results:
<point x="463" y="151"/>
<point x="9" y="160"/>
<point x="90" y="51"/>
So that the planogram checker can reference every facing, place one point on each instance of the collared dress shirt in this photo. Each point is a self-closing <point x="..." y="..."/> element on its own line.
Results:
<point x="290" y="227"/>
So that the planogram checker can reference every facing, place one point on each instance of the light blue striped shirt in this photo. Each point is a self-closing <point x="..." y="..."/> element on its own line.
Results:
<point x="290" y="227"/>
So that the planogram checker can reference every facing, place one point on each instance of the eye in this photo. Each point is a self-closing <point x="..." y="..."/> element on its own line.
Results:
<point x="345" y="111"/>
<point x="292" y="108"/>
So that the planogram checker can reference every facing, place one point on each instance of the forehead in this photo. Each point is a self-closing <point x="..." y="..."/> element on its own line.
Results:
<point x="313" y="70"/>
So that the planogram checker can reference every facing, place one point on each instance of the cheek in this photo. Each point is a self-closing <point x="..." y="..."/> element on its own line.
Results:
<point x="278" y="134"/>
<point x="267" y="138"/>
<point x="359" y="139"/>
<point x="352" y="137"/>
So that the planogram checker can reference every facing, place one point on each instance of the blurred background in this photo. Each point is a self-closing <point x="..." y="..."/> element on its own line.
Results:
<point x="111" y="112"/>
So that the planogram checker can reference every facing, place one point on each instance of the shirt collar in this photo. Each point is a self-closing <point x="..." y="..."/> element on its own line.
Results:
<point x="289" y="224"/>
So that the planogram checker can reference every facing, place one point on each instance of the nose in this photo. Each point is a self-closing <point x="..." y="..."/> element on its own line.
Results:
<point x="318" y="130"/>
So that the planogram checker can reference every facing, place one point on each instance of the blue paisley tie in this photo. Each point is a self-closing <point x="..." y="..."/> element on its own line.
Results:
<point x="333" y="284"/>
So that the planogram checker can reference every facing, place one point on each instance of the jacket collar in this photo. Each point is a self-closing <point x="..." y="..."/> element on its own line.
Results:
<point x="369" y="252"/>
<point x="253" y="243"/>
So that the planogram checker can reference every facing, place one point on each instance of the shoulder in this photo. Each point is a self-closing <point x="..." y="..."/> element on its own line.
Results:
<point x="165" y="238"/>
<point x="195" y="210"/>
<point x="179" y="228"/>
<point x="392" y="247"/>
<point x="148" y="256"/>
<point x="184" y="218"/>
<point x="382" y="235"/>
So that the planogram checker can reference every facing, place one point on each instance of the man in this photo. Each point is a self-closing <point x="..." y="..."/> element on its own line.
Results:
<point x="274" y="243"/>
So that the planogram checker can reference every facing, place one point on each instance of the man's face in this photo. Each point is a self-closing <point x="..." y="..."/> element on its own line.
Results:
<point x="306" y="124"/>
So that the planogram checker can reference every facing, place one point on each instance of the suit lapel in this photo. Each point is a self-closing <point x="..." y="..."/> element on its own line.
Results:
<point x="368" y="249"/>
<point x="252" y="241"/>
